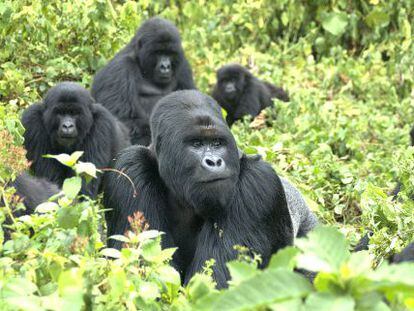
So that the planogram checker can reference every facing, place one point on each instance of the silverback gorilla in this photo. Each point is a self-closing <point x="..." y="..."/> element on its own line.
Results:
<point x="151" y="66"/>
<point x="194" y="184"/>
<point x="240" y="93"/>
<point x="68" y="120"/>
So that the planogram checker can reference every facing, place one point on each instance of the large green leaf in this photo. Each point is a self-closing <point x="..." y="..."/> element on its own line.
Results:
<point x="324" y="249"/>
<point x="335" y="23"/>
<point x="329" y="302"/>
<point x="65" y="159"/>
<point x="72" y="186"/>
<point x="68" y="217"/>
<point x="263" y="289"/>
<point x="394" y="277"/>
<point x="241" y="271"/>
<point x="377" y="18"/>
<point x="284" y="258"/>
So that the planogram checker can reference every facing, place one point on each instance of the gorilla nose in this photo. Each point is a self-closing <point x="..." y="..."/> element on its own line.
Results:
<point x="68" y="127"/>
<point x="213" y="164"/>
<point x="165" y="67"/>
<point x="229" y="88"/>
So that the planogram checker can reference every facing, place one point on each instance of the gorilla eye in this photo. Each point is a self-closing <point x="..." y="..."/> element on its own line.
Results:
<point x="217" y="143"/>
<point x="196" y="143"/>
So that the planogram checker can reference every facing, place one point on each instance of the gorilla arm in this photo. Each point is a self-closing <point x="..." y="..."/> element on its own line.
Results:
<point x="37" y="143"/>
<point x="257" y="217"/>
<point x="115" y="86"/>
<point x="100" y="146"/>
<point x="141" y="167"/>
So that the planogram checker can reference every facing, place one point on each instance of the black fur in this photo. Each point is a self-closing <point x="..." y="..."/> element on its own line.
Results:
<point x="96" y="132"/>
<point x="195" y="185"/>
<point x="363" y="243"/>
<point x="32" y="191"/>
<point x="247" y="94"/>
<point x="128" y="84"/>
<point x="407" y="254"/>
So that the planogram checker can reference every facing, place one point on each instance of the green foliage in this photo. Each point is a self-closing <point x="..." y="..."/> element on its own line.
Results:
<point x="344" y="281"/>
<point x="343" y="137"/>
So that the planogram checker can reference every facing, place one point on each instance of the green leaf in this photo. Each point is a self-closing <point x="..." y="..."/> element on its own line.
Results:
<point x="266" y="287"/>
<point x="200" y="286"/>
<point x="151" y="249"/>
<point x="288" y="305"/>
<point x="111" y="252"/>
<point x="165" y="255"/>
<point x="117" y="281"/>
<point x="240" y="271"/>
<point x="377" y="18"/>
<point x="327" y="301"/>
<point x="284" y="258"/>
<point x="324" y="249"/>
<point x="394" y="277"/>
<point x="31" y="303"/>
<point x="70" y="289"/>
<point x="372" y="301"/>
<point x="335" y="23"/>
<point x="118" y="237"/>
<point x="149" y="234"/>
<point x="47" y="207"/>
<point x="148" y="291"/>
<point x="68" y="217"/>
<point x="65" y="159"/>
<point x="169" y="275"/>
<point x="86" y="169"/>
<point x="72" y="186"/>
<point x="18" y="287"/>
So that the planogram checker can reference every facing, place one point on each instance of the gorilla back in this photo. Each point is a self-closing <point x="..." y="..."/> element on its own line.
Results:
<point x="68" y="120"/>
<point x="151" y="66"/>
<point x="196" y="186"/>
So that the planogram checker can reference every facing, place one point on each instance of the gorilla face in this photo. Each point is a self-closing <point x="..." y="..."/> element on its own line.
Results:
<point x="197" y="156"/>
<point x="164" y="68"/>
<point x="159" y="51"/>
<point x="231" y="81"/>
<point x="160" y="65"/>
<point x="67" y="131"/>
<point x="67" y="115"/>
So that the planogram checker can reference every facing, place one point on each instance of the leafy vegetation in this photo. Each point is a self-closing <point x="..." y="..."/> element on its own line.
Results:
<point x="349" y="68"/>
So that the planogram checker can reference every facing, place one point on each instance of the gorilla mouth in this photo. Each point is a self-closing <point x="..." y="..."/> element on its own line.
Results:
<point x="165" y="77"/>
<point x="66" y="140"/>
<point x="215" y="179"/>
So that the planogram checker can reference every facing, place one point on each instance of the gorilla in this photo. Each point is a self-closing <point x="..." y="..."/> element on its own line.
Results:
<point x="240" y="93"/>
<point x="68" y="120"/>
<point x="407" y="254"/>
<point x="151" y="66"/>
<point x="196" y="186"/>
<point x="32" y="191"/>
